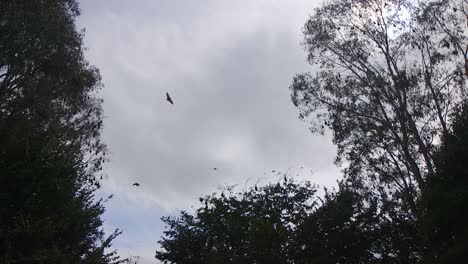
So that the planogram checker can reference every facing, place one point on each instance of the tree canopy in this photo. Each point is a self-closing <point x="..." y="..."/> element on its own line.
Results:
<point x="51" y="154"/>
<point x="278" y="223"/>
<point x="388" y="76"/>
<point x="445" y="200"/>
<point x="254" y="226"/>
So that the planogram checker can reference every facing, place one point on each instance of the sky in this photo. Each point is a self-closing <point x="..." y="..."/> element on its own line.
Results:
<point x="228" y="66"/>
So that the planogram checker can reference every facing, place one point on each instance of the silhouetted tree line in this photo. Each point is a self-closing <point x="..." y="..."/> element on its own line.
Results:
<point x="51" y="154"/>
<point x="389" y="82"/>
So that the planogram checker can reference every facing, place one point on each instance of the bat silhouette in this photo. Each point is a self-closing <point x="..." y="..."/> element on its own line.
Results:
<point x="168" y="98"/>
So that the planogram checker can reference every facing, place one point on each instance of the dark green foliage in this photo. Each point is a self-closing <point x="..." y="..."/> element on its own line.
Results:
<point x="255" y="226"/>
<point x="445" y="200"/>
<point x="278" y="223"/>
<point x="339" y="231"/>
<point x="50" y="149"/>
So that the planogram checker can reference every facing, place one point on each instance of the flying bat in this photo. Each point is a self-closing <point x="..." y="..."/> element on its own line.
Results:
<point x="168" y="98"/>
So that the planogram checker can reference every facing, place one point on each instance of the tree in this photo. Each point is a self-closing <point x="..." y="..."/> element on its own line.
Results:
<point x="389" y="74"/>
<point x="133" y="260"/>
<point x="444" y="203"/>
<point x="341" y="230"/>
<point x="277" y="223"/>
<point x="50" y="149"/>
<point x="255" y="226"/>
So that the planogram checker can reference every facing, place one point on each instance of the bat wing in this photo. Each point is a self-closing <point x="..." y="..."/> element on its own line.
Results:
<point x="169" y="99"/>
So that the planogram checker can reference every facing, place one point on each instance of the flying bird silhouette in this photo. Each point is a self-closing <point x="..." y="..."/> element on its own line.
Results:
<point x="168" y="98"/>
<point x="136" y="184"/>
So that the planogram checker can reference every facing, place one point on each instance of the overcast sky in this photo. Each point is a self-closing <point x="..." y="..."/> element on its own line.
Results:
<point x="228" y="66"/>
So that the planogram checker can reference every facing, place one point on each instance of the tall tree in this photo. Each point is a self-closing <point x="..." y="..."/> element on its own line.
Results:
<point x="389" y="74"/>
<point x="50" y="149"/>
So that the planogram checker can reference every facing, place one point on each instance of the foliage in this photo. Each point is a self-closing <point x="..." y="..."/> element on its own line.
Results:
<point x="341" y="230"/>
<point x="50" y="149"/>
<point x="277" y="223"/>
<point x="255" y="226"/>
<point x="445" y="200"/>
<point x="388" y="76"/>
